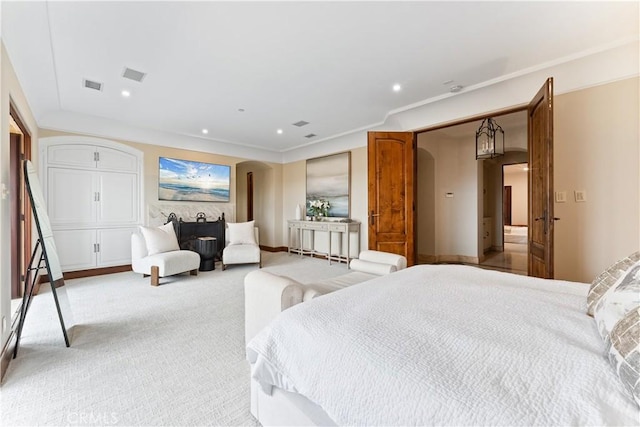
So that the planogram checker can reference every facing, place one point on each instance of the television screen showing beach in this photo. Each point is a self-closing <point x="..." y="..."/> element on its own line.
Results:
<point x="187" y="180"/>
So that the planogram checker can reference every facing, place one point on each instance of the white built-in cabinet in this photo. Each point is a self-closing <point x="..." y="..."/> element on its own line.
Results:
<point x="93" y="195"/>
<point x="487" y="235"/>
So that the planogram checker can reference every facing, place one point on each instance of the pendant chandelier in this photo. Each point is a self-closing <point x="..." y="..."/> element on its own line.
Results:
<point x="489" y="140"/>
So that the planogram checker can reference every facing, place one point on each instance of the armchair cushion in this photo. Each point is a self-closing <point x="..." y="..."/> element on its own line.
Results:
<point x="160" y="239"/>
<point x="168" y="263"/>
<point x="241" y="254"/>
<point x="241" y="233"/>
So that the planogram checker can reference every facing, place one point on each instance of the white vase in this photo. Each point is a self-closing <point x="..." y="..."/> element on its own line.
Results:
<point x="298" y="212"/>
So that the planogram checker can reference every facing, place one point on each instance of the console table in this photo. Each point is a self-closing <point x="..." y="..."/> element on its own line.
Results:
<point x="298" y="227"/>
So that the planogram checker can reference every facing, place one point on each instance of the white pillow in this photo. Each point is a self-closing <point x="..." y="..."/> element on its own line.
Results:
<point x="241" y="233"/>
<point x="160" y="239"/>
<point x="621" y="298"/>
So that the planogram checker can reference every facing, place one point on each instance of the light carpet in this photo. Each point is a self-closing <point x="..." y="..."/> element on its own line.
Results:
<point x="141" y="355"/>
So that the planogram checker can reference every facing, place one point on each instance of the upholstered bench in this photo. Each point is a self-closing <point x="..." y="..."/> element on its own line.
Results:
<point x="266" y="294"/>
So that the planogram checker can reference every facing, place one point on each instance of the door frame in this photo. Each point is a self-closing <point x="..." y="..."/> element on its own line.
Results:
<point x="504" y="205"/>
<point x="26" y="145"/>
<point x="477" y="117"/>
<point x="510" y="164"/>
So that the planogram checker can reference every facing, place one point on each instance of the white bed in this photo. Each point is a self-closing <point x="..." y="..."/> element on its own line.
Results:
<point x="439" y="345"/>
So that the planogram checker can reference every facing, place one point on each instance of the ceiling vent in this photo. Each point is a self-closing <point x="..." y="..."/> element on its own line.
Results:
<point x="92" y="85"/>
<point x="137" y="76"/>
<point x="311" y="135"/>
<point x="301" y="123"/>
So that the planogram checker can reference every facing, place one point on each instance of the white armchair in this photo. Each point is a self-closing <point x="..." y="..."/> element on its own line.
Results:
<point x="242" y="244"/>
<point x="267" y="294"/>
<point x="155" y="252"/>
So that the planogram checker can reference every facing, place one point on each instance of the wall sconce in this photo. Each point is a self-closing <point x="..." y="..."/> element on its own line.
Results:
<point x="489" y="140"/>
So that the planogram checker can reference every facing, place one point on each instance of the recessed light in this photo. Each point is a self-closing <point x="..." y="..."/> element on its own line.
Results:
<point x="241" y="110"/>
<point x="455" y="89"/>
<point x="397" y="87"/>
<point x="205" y="131"/>
<point x="126" y="93"/>
<point x="279" y="131"/>
<point x="526" y="168"/>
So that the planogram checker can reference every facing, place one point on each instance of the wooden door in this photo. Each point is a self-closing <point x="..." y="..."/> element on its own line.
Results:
<point x="392" y="171"/>
<point x="249" y="196"/>
<point x="506" y="205"/>
<point x="541" y="219"/>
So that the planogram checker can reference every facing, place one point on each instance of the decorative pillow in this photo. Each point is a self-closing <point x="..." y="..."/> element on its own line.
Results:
<point x="241" y="233"/>
<point x="623" y="348"/>
<point x="606" y="279"/>
<point x="619" y="299"/>
<point x="160" y="239"/>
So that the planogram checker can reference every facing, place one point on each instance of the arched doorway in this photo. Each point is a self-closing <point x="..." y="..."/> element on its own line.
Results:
<point x="255" y="195"/>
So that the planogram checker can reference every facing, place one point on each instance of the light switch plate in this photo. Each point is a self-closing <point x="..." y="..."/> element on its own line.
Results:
<point x="580" y="195"/>
<point x="561" y="196"/>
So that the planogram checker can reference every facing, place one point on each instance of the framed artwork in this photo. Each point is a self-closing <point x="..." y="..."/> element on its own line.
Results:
<point x="186" y="180"/>
<point x="328" y="180"/>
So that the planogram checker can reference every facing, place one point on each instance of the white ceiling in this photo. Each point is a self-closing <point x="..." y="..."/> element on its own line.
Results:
<point x="329" y="63"/>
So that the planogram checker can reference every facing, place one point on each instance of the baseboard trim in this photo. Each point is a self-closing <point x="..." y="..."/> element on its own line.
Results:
<point x="427" y="259"/>
<point x="454" y="259"/>
<point x="274" y="249"/>
<point x="7" y="354"/>
<point x="88" y="273"/>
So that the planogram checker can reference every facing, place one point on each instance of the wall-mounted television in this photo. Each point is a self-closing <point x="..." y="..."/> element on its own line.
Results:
<point x="186" y="180"/>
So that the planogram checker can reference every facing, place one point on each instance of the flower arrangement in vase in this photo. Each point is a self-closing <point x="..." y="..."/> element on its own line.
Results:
<point x="319" y="208"/>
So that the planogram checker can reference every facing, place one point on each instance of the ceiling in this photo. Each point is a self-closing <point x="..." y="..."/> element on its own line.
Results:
<point x="509" y="123"/>
<point x="242" y="70"/>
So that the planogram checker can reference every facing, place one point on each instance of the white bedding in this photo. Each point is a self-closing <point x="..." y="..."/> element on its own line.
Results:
<point x="450" y="345"/>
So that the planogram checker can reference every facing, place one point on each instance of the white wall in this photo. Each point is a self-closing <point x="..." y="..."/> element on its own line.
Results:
<point x="596" y="149"/>
<point x="425" y="205"/>
<point x="456" y="172"/>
